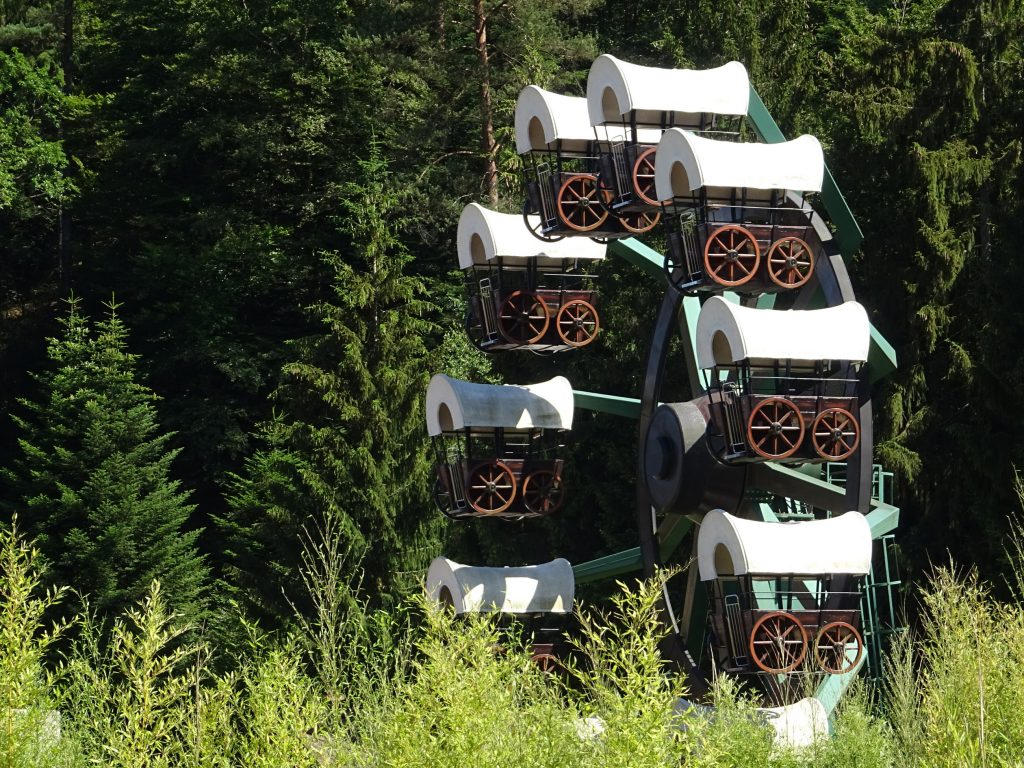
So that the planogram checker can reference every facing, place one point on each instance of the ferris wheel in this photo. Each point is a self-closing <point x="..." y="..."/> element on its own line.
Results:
<point x="759" y="485"/>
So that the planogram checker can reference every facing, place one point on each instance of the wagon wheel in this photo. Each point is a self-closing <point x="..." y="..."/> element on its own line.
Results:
<point x="442" y="496"/>
<point x="579" y="204"/>
<point x="523" y="318"/>
<point x="775" y="428"/>
<point x="546" y="662"/>
<point x="536" y="226"/>
<point x="640" y="221"/>
<point x="833" y="647"/>
<point x="491" y="488"/>
<point x="578" y="323"/>
<point x="643" y="176"/>
<point x="543" y="492"/>
<point x="835" y="434"/>
<point x="778" y="643"/>
<point x="790" y="262"/>
<point x="731" y="255"/>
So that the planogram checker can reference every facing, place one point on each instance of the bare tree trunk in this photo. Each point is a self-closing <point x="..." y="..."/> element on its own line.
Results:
<point x="489" y="147"/>
<point x="63" y="215"/>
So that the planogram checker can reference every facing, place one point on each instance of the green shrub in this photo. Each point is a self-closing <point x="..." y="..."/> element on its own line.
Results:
<point x="29" y="723"/>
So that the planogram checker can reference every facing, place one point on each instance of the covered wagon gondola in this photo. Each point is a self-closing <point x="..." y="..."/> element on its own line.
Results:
<point x="630" y="106"/>
<point x="735" y="217"/>
<point x="524" y="293"/>
<point x="540" y="597"/>
<point x="785" y="596"/>
<point x="783" y="385"/>
<point x="560" y="151"/>
<point x="498" y="447"/>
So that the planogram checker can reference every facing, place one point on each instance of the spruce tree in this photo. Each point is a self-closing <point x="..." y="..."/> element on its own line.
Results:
<point x="93" y="481"/>
<point x="349" y="443"/>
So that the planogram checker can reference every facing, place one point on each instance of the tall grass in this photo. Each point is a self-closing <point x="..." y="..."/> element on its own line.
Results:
<point x="418" y="687"/>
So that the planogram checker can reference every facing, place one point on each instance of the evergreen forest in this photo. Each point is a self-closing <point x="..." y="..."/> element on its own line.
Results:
<point x="228" y="271"/>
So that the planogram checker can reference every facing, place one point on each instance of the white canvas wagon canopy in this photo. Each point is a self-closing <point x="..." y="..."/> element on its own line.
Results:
<point x="728" y="333"/>
<point x="686" y="162"/>
<point x="616" y="88"/>
<point x="732" y="546"/>
<point x="544" y="588"/>
<point x="485" y="235"/>
<point x="543" y="117"/>
<point x="454" y="405"/>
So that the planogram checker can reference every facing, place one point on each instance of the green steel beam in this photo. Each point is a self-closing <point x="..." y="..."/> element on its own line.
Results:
<point x="671" y="533"/>
<point x="646" y="259"/>
<point x="881" y="356"/>
<point x="848" y="234"/>
<point x="883" y="518"/>
<point x="833" y="687"/>
<point x="609" y="566"/>
<point x="630" y="560"/>
<point x="628" y="407"/>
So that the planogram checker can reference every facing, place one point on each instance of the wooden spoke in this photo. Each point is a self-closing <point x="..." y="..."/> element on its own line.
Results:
<point x="579" y="204"/>
<point x="778" y="643"/>
<point x="838" y="647"/>
<point x="524" y="318"/>
<point x="546" y="662"/>
<point x="731" y="256"/>
<point x="578" y="323"/>
<point x="543" y="492"/>
<point x="643" y="176"/>
<point x="790" y="262"/>
<point x="640" y="221"/>
<point x="836" y="434"/>
<point x="775" y="428"/>
<point x="491" y="488"/>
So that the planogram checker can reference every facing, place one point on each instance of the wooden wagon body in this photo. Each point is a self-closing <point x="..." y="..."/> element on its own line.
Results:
<point x="735" y="215"/>
<point x="498" y="447"/>
<point x="785" y="597"/>
<point x="783" y="385"/>
<point x="561" y="154"/>
<point x="523" y="293"/>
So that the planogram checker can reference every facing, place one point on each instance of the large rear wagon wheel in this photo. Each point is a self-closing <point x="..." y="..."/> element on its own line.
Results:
<point x="579" y="204"/>
<point x="778" y="643"/>
<point x="775" y="428"/>
<point x="731" y="256"/>
<point x="524" y="318"/>
<point x="491" y="488"/>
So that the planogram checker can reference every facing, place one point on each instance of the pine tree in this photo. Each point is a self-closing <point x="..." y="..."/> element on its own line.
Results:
<point x="94" y="479"/>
